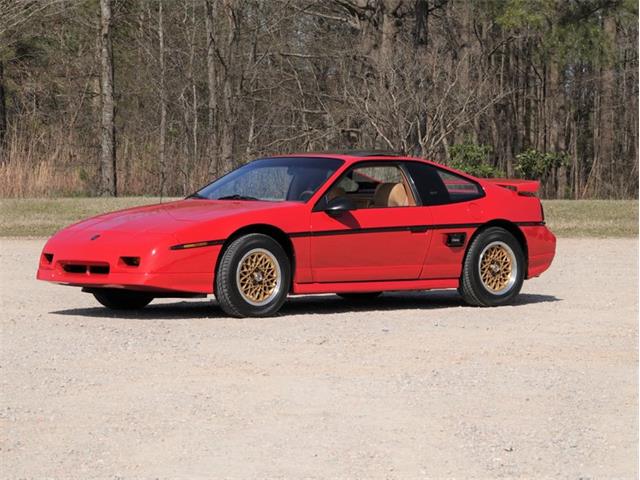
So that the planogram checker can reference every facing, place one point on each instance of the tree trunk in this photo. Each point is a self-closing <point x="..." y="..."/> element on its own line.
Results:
<point x="163" y="105"/>
<point x="3" y="111"/>
<point x="387" y="41"/>
<point x="228" y="127"/>
<point x="557" y="130"/>
<point x="211" y="85"/>
<point x="211" y="68"/>
<point x="108" y="184"/>
<point x="229" y="107"/>
<point x="421" y="29"/>
<point x="194" y="91"/>
<point x="603" y="137"/>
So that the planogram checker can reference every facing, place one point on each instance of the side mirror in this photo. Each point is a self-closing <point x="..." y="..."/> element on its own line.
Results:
<point x="339" y="205"/>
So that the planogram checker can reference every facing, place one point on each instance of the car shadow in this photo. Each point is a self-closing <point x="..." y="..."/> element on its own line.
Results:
<point x="302" y="305"/>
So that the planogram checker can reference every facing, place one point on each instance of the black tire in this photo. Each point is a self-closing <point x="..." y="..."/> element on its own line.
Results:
<point x="228" y="283"/>
<point x="116" y="299"/>
<point x="359" y="296"/>
<point x="507" y="283"/>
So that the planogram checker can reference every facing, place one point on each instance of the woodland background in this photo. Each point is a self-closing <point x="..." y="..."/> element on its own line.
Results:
<point x="131" y="97"/>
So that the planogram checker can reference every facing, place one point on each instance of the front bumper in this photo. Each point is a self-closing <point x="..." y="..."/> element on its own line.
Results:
<point x="86" y="263"/>
<point x="145" y="281"/>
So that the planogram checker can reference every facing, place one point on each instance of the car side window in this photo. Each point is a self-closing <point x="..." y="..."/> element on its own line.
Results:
<point x="436" y="186"/>
<point x="374" y="186"/>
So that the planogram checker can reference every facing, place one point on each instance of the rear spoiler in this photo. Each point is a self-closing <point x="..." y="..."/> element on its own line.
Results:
<point x="521" y="187"/>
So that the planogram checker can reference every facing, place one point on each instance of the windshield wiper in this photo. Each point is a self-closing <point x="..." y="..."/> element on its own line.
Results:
<point x="237" y="197"/>
<point x="198" y="196"/>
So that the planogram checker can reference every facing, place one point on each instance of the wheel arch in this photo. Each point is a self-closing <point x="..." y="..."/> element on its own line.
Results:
<point x="510" y="227"/>
<point x="269" y="230"/>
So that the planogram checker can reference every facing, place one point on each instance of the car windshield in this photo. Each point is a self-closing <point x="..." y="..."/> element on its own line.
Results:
<point x="272" y="179"/>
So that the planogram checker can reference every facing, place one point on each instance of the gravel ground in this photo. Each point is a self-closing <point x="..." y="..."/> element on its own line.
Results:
<point x="412" y="385"/>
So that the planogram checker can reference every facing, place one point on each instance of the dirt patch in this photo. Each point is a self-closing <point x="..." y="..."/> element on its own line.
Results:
<point x="410" y="385"/>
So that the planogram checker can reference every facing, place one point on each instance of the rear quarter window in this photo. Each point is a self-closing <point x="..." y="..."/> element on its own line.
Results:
<point x="439" y="187"/>
<point x="459" y="188"/>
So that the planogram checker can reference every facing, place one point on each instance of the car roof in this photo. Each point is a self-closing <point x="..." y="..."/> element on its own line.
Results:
<point x="368" y="153"/>
<point x="354" y="155"/>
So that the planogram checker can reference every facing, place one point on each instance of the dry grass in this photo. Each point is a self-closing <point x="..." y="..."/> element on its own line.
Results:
<point x="592" y="218"/>
<point x="37" y="217"/>
<point x="52" y="162"/>
<point x="41" y="165"/>
<point x="567" y="218"/>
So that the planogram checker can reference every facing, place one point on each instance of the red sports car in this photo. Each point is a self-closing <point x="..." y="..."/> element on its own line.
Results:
<point x="354" y="224"/>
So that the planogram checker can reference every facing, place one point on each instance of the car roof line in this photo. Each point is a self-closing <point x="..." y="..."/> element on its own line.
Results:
<point x="343" y="156"/>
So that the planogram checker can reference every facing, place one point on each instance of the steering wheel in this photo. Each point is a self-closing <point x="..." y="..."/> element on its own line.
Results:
<point x="306" y="195"/>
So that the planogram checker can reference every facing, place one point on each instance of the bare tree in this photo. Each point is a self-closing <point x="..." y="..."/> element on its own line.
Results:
<point x="108" y="179"/>
<point x="3" y="109"/>
<point x="163" y="105"/>
<point x="225" y="80"/>
<point x="210" y="21"/>
<point x="230" y="83"/>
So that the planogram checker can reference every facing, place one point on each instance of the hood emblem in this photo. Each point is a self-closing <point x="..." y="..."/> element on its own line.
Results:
<point x="97" y="235"/>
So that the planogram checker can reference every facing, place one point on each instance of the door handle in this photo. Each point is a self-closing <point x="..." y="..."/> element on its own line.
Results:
<point x="418" y="229"/>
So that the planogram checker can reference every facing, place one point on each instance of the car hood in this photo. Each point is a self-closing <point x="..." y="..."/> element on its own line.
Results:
<point x="198" y="210"/>
<point x="168" y="217"/>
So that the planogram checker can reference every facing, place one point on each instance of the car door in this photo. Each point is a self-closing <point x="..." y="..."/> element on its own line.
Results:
<point x="454" y="204"/>
<point x="383" y="238"/>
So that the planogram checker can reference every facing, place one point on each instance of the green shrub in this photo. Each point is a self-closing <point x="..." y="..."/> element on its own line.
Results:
<point x="473" y="159"/>
<point x="532" y="164"/>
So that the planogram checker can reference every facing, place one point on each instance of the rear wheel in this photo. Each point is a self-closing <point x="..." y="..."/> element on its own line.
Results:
<point x="253" y="277"/>
<point x="493" y="270"/>
<point x="117" y="299"/>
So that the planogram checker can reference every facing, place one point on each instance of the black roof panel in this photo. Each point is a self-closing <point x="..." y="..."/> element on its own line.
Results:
<point x="366" y="153"/>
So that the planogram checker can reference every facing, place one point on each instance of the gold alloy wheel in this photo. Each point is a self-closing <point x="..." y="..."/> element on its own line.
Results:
<point x="497" y="267"/>
<point x="258" y="276"/>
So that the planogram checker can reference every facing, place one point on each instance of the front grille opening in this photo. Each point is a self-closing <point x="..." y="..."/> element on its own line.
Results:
<point x="99" y="269"/>
<point x="131" y="261"/>
<point x="48" y="257"/>
<point x="74" y="268"/>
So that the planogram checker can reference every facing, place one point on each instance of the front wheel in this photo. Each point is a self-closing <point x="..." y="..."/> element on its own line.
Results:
<point x="493" y="270"/>
<point x="117" y="299"/>
<point x="253" y="277"/>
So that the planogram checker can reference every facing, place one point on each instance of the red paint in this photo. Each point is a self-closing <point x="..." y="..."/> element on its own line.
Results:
<point x="395" y="255"/>
<point x="368" y="261"/>
<point x="520" y="186"/>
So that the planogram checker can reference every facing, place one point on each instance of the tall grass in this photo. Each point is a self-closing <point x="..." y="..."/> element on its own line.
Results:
<point x="51" y="162"/>
<point x="40" y="164"/>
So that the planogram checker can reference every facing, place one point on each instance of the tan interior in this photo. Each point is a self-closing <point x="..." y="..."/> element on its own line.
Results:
<point x="335" y="192"/>
<point x="410" y="197"/>
<point x="390" y="195"/>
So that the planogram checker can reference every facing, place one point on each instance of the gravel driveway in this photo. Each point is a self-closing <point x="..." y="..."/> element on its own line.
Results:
<point x="412" y="385"/>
